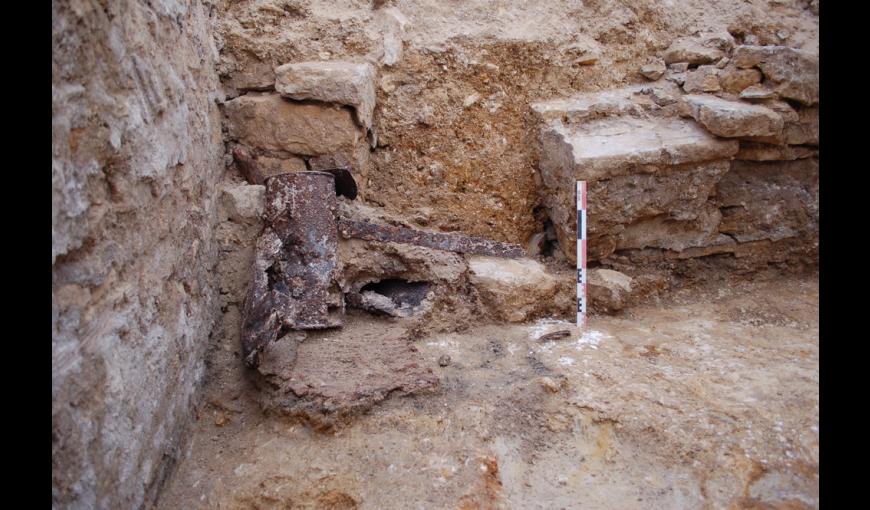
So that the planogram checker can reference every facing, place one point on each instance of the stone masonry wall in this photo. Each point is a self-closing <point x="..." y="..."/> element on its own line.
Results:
<point x="136" y="157"/>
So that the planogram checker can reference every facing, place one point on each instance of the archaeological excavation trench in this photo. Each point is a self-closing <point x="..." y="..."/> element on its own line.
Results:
<point x="312" y="254"/>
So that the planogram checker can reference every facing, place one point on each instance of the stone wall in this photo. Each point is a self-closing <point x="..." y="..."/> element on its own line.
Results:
<point x="455" y="135"/>
<point x="136" y="158"/>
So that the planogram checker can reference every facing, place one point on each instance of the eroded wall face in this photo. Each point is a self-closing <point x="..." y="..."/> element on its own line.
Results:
<point x="136" y="155"/>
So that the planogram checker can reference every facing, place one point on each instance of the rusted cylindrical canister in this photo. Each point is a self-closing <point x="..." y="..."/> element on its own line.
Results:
<point x="300" y="207"/>
<point x="295" y="262"/>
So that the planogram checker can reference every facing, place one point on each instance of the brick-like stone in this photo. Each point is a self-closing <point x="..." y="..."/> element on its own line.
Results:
<point x="757" y="92"/>
<point x="346" y="83"/>
<point x="268" y="122"/>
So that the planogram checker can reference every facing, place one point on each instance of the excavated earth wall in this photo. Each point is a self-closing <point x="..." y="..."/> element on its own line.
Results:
<point x="694" y="122"/>
<point x="136" y="159"/>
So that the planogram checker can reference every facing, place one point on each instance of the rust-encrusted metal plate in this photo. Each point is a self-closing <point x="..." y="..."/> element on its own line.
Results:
<point x="459" y="243"/>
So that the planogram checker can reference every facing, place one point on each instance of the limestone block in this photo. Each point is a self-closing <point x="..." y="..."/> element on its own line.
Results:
<point x="277" y="166"/>
<point x="733" y="118"/>
<point x="770" y="200"/>
<point x="608" y="290"/>
<point x="271" y="123"/>
<point x="514" y="289"/>
<point x="657" y="174"/>
<point x="344" y="83"/>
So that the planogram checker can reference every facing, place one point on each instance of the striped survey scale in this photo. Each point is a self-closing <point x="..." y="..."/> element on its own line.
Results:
<point x="581" y="254"/>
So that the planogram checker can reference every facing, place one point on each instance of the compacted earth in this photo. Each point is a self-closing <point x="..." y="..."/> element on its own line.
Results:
<point x="708" y="399"/>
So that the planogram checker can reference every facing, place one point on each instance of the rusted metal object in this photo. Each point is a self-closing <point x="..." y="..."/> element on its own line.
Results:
<point x="340" y="167"/>
<point x="439" y="240"/>
<point x="295" y="262"/>
<point x="247" y="163"/>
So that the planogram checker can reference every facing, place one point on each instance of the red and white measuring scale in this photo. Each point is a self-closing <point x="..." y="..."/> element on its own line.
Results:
<point x="581" y="254"/>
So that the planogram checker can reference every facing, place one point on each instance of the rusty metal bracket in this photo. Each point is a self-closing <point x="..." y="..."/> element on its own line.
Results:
<point x="439" y="240"/>
<point x="340" y="167"/>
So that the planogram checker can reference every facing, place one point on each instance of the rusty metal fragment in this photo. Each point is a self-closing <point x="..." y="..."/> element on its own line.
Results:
<point x="340" y="167"/>
<point x="295" y="263"/>
<point x="439" y="240"/>
<point x="247" y="163"/>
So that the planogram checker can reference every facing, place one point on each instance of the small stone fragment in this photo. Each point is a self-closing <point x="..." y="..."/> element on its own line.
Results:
<point x="587" y="59"/>
<point x="678" y="67"/>
<point x="549" y="384"/>
<point x="444" y="360"/>
<point x="653" y="70"/>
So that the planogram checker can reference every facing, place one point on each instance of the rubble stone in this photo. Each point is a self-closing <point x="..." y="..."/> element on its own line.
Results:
<point x="732" y="118"/>
<point x="793" y="73"/>
<point x="270" y="123"/>
<point x="243" y="202"/>
<point x="734" y="80"/>
<point x="702" y="79"/>
<point x="653" y="70"/>
<point x="344" y="83"/>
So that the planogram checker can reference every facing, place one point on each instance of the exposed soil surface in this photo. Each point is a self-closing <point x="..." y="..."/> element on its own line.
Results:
<point x="707" y="400"/>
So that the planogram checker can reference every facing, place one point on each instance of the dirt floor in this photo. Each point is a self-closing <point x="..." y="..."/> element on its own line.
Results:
<point x="707" y="400"/>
